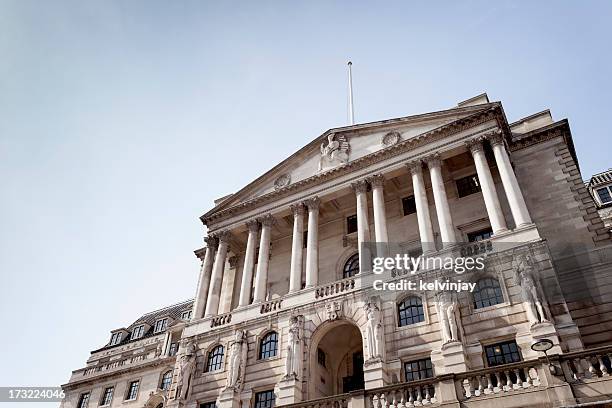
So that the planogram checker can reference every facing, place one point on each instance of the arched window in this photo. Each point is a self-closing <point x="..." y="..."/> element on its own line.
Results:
<point x="215" y="359"/>
<point x="166" y="380"/>
<point x="268" y="346"/>
<point x="487" y="293"/>
<point x="351" y="267"/>
<point x="410" y="311"/>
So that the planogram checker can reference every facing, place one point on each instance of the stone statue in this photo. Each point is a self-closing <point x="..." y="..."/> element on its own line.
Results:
<point x="336" y="151"/>
<point x="237" y="361"/>
<point x="294" y="349"/>
<point x="447" y="307"/>
<point x="523" y="267"/>
<point x="374" y="331"/>
<point x="186" y="368"/>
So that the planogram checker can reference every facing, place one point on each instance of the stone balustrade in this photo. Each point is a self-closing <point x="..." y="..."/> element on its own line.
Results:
<point x="270" y="306"/>
<point x="220" y="320"/>
<point x="336" y="401"/>
<point x="587" y="364"/>
<point x="410" y="394"/>
<point x="334" y="288"/>
<point x="500" y="379"/>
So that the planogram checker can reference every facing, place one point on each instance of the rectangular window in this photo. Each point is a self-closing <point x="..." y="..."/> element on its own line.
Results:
<point x="321" y="357"/>
<point x="408" y="205"/>
<point x="605" y="194"/>
<point x="186" y="315"/>
<point x="138" y="332"/>
<point x="83" y="400"/>
<point x="264" y="399"/>
<point x="468" y="185"/>
<point x="480" y="235"/>
<point x="107" y="396"/>
<point x="160" y="325"/>
<point x="208" y="404"/>
<point x="132" y="391"/>
<point x="173" y="349"/>
<point x="115" y="338"/>
<point x="351" y="224"/>
<point x="502" y="353"/>
<point x="418" y="369"/>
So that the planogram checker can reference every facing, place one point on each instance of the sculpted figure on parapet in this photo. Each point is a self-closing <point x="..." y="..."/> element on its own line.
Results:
<point x="294" y="349"/>
<point x="448" y="308"/>
<point x="336" y="151"/>
<point x="374" y="330"/>
<point x="237" y="361"/>
<point x="186" y="368"/>
<point x="524" y="269"/>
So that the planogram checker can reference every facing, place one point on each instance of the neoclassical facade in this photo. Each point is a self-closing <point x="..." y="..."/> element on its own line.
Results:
<point x="287" y="311"/>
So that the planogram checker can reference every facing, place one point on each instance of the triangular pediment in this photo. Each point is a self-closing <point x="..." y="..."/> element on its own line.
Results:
<point x="339" y="146"/>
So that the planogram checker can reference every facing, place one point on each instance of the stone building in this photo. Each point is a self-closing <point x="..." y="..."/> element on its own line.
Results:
<point x="286" y="310"/>
<point x="600" y="187"/>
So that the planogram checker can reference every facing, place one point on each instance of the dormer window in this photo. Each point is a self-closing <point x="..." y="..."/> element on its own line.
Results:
<point x="605" y="194"/>
<point x="137" y="332"/>
<point x="115" y="338"/>
<point x="186" y="315"/>
<point x="161" y="325"/>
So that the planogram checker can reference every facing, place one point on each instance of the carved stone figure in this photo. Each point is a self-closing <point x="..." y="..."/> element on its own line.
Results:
<point x="374" y="331"/>
<point x="335" y="152"/>
<point x="237" y="361"/>
<point x="294" y="349"/>
<point x="334" y="310"/>
<point x="448" y="307"/>
<point x="523" y="267"/>
<point x="186" y="369"/>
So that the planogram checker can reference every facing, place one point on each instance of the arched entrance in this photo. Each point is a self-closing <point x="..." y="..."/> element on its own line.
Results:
<point x="336" y="359"/>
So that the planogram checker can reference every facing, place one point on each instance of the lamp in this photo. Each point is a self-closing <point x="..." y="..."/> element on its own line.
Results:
<point x="543" y="345"/>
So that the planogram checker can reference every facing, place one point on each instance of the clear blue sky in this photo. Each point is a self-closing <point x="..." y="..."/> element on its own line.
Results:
<point x="120" y="122"/>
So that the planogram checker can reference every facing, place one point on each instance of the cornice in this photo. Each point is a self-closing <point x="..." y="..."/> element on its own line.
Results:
<point x="495" y="111"/>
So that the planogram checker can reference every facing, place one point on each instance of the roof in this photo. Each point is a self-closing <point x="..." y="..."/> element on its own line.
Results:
<point x="601" y="178"/>
<point x="174" y="311"/>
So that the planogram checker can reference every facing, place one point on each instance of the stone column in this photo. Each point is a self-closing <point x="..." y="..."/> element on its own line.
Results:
<point x="378" y="202"/>
<point x="261" y="278"/>
<point x="297" y="244"/>
<point x="249" y="263"/>
<point x="214" y="291"/>
<point x="511" y="187"/>
<point x="447" y="230"/>
<point x="422" y="207"/>
<point x="363" y="226"/>
<point x="204" y="280"/>
<point x="489" y="193"/>
<point x="312" y="242"/>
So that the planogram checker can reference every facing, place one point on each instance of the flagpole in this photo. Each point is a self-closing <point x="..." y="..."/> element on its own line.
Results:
<point x="350" y="84"/>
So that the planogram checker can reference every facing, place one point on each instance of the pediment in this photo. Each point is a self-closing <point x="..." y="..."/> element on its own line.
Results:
<point x="339" y="146"/>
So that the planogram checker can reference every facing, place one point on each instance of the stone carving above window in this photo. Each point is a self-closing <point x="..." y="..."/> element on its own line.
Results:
<point x="391" y="139"/>
<point x="282" y="181"/>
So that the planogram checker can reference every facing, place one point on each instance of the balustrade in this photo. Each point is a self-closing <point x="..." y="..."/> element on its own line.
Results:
<point x="335" y="288"/>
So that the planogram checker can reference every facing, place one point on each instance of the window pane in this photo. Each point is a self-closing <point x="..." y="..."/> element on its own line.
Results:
<point x="166" y="380"/>
<point x="351" y="267"/>
<point x="487" y="293"/>
<point x="480" y="235"/>
<point x="468" y="185"/>
<point x="502" y="353"/>
<point x="215" y="359"/>
<point x="83" y="400"/>
<point x="264" y="399"/>
<point x="408" y="205"/>
<point x="410" y="311"/>
<point x="351" y="224"/>
<point x="269" y="345"/>
<point x="132" y="390"/>
<point x="418" y="369"/>
<point x="604" y="195"/>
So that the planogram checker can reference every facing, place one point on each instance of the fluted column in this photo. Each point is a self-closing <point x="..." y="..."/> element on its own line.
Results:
<point x="261" y="277"/>
<point x="204" y="279"/>
<point x="489" y="193"/>
<point x="214" y="291"/>
<point x="249" y="263"/>
<point x="422" y="207"/>
<point x="363" y="226"/>
<point x="312" y="242"/>
<point x="519" y="210"/>
<point x="297" y="244"/>
<point x="378" y="202"/>
<point x="447" y="230"/>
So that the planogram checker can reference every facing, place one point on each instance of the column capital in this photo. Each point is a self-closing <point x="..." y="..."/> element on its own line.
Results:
<point x="252" y="225"/>
<point x="495" y="137"/>
<point x="376" y="180"/>
<point x="297" y="209"/>
<point x="360" y="186"/>
<point x="415" y="166"/>
<point x="475" y="145"/>
<point x="223" y="236"/>
<point x="211" y="242"/>
<point x="313" y="203"/>
<point x="267" y="220"/>
<point x="434" y="160"/>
